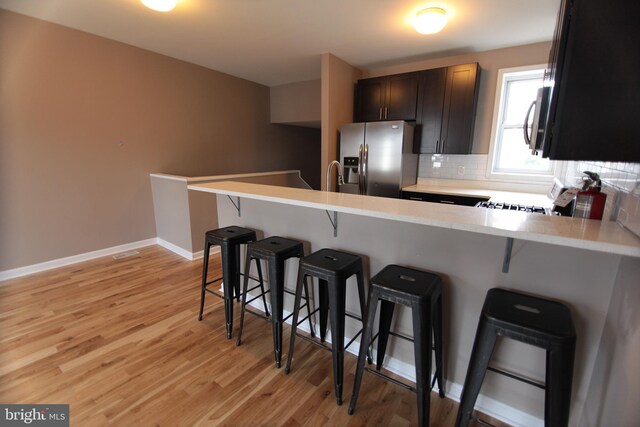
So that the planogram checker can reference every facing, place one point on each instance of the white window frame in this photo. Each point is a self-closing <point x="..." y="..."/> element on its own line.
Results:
<point x="513" y="176"/>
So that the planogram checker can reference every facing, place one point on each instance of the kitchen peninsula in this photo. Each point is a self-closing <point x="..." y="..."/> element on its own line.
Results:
<point x="576" y="261"/>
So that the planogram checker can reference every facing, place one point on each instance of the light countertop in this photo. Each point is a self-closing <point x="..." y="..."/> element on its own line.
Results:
<point x="593" y="235"/>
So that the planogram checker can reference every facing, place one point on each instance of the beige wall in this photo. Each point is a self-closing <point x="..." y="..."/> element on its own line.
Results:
<point x="296" y="103"/>
<point x="614" y="391"/>
<point x="84" y="120"/>
<point x="338" y="82"/>
<point x="490" y="62"/>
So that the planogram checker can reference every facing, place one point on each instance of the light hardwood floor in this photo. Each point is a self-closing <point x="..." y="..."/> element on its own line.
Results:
<point x="120" y="342"/>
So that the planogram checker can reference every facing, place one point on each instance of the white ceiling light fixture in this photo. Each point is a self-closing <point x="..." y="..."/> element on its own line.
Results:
<point x="160" y="5"/>
<point x="430" y="20"/>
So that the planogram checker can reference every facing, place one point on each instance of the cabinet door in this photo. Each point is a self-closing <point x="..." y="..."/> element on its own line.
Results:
<point x="596" y="89"/>
<point x="430" y="104"/>
<point x="460" y="99"/>
<point x="402" y="96"/>
<point x="370" y="99"/>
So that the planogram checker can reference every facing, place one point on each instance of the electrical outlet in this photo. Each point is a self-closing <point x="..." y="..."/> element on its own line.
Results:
<point x="460" y="170"/>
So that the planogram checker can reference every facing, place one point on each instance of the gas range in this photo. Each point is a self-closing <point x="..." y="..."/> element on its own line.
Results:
<point x="513" y="207"/>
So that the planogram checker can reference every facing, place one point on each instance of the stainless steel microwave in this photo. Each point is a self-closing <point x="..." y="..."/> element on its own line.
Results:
<point x="540" y="107"/>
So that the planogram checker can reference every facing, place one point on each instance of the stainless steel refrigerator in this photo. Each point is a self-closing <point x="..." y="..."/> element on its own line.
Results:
<point x="378" y="158"/>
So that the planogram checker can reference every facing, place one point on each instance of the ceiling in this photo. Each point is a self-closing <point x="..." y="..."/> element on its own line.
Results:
<point x="274" y="42"/>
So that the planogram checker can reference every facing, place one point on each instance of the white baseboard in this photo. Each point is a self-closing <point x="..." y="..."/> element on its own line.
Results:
<point x="191" y="256"/>
<point x="200" y="254"/>
<point x="175" y="249"/>
<point x="61" y="262"/>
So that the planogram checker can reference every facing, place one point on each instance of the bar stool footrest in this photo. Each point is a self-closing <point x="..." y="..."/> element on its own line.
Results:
<point x="256" y="314"/>
<point x="353" y="316"/>
<point x="291" y="314"/>
<point x="482" y="422"/>
<point x="221" y="296"/>
<point x="314" y="342"/>
<point x="254" y="298"/>
<point x="517" y="377"/>
<point x="388" y="378"/>
<point x="353" y="339"/>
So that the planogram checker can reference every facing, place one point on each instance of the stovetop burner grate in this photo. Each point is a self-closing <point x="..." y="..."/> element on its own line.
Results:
<point x="513" y="207"/>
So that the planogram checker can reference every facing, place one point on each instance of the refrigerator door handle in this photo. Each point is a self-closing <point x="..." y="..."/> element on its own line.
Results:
<point x="365" y="167"/>
<point x="360" y="165"/>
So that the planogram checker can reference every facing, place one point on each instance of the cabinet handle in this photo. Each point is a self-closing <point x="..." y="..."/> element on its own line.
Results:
<point x="449" y="202"/>
<point x="386" y="113"/>
<point x="415" y="198"/>
<point x="380" y="114"/>
<point x="437" y="146"/>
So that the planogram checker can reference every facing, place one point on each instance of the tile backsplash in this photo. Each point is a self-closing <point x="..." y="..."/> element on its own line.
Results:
<point x="621" y="176"/>
<point x="621" y="181"/>
<point x="447" y="166"/>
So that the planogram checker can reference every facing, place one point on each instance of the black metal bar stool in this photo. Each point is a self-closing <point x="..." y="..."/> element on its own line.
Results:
<point x="532" y="320"/>
<point x="332" y="268"/>
<point x="229" y="239"/>
<point x="422" y="292"/>
<point x="275" y="251"/>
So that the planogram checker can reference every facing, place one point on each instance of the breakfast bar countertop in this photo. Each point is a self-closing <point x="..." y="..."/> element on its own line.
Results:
<point x="600" y="236"/>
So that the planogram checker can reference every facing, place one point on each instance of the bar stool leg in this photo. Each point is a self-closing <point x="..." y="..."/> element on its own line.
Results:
<point x="372" y="303"/>
<point x="480" y="355"/>
<point x="260" y="278"/>
<point x="205" y="269"/>
<point x="386" y="315"/>
<point x="247" y="267"/>
<point x="306" y="294"/>
<point x="337" y="296"/>
<point x="363" y="307"/>
<point x="436" y="321"/>
<point x="324" y="307"/>
<point x="302" y="279"/>
<point x="228" y="269"/>
<point x="245" y="289"/>
<point x="236" y="272"/>
<point x="422" y="350"/>
<point x="276" y="282"/>
<point x="559" y="377"/>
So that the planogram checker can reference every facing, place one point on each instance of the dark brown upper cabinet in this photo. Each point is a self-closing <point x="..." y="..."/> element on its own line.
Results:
<point x="446" y="109"/>
<point x="387" y="98"/>
<point x="594" y="111"/>
<point x="430" y="109"/>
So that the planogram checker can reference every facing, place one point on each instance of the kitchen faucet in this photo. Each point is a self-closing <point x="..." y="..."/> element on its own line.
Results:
<point x="340" y="171"/>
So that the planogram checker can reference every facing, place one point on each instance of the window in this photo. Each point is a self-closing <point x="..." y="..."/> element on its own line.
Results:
<point x="510" y="157"/>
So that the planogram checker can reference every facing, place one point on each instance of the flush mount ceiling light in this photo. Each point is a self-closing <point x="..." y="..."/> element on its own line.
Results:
<point x="160" y="5"/>
<point x="430" y="20"/>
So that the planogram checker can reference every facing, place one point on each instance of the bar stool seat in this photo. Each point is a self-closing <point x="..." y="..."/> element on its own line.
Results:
<point x="332" y="268"/>
<point x="532" y="320"/>
<point x="275" y="251"/>
<point x="229" y="239"/>
<point x="422" y="292"/>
